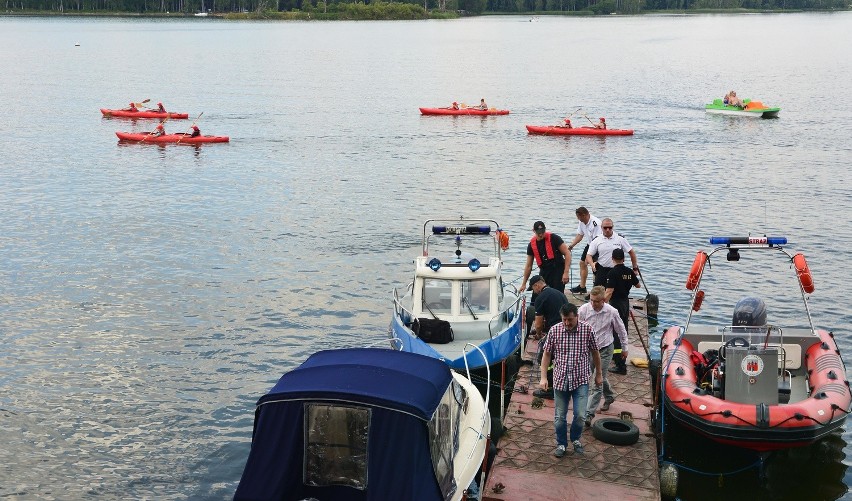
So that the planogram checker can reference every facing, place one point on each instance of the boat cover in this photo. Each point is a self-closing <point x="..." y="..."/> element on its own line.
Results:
<point x="402" y="391"/>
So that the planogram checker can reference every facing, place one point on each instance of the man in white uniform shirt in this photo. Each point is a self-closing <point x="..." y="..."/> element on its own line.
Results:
<point x="589" y="227"/>
<point x="607" y="324"/>
<point x="603" y="247"/>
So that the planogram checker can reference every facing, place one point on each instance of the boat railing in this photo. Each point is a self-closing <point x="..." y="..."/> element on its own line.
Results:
<point x="732" y="246"/>
<point x="505" y="313"/>
<point x="458" y="226"/>
<point x="487" y="387"/>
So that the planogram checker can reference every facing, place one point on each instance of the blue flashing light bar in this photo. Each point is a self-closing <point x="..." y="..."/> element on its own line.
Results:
<point x="461" y="230"/>
<point x="474" y="264"/>
<point x="748" y="241"/>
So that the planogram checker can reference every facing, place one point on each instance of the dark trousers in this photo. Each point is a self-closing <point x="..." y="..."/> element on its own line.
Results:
<point x="623" y="307"/>
<point x="601" y="272"/>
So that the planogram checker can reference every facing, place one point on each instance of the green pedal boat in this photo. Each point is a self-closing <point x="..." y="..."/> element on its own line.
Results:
<point x="754" y="109"/>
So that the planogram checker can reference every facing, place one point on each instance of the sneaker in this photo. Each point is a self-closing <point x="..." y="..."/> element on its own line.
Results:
<point x="578" y="447"/>
<point x="587" y="297"/>
<point x="560" y="450"/>
<point x="618" y="370"/>
<point x="606" y="404"/>
<point x="543" y="394"/>
<point x="578" y="290"/>
<point x="589" y="421"/>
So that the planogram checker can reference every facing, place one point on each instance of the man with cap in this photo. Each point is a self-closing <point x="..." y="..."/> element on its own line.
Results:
<point x="618" y="283"/>
<point x="551" y="255"/>
<point x="548" y="302"/>
<point x="603" y="245"/>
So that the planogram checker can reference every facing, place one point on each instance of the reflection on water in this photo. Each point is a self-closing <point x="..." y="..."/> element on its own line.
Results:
<point x="710" y="470"/>
<point x="149" y="295"/>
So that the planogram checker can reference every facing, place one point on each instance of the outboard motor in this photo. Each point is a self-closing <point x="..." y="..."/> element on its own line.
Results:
<point x="752" y="371"/>
<point x="750" y="311"/>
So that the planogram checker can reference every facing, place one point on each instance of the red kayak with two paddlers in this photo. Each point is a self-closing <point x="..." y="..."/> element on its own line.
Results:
<point x="180" y="138"/>
<point x="143" y="114"/>
<point x="559" y="130"/>
<point x="462" y="111"/>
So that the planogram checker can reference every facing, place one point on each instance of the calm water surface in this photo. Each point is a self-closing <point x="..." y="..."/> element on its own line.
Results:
<point x="149" y="295"/>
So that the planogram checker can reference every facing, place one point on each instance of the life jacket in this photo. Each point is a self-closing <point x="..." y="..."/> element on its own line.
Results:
<point x="547" y="246"/>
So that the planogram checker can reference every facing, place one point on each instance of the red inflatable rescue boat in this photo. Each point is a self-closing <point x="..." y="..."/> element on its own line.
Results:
<point x="751" y="383"/>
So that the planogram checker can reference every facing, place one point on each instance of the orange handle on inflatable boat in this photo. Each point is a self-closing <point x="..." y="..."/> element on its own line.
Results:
<point x="699" y="298"/>
<point x="804" y="273"/>
<point x="697" y="268"/>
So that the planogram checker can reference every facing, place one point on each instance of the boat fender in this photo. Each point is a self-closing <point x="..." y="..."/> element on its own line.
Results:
<point x="804" y="273"/>
<point x="697" y="268"/>
<point x="615" y="431"/>
<point x="699" y="298"/>
<point x="502" y="238"/>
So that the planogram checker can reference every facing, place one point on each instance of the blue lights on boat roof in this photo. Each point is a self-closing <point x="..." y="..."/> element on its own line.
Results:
<point x="461" y="230"/>
<point x="748" y="241"/>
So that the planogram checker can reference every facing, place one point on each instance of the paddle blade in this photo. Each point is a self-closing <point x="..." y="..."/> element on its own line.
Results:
<point x="463" y="105"/>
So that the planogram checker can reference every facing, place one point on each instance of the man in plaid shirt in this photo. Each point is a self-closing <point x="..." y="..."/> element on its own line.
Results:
<point x="569" y="344"/>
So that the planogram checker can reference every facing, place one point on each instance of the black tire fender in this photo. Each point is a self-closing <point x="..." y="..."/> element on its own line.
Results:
<point x="615" y="431"/>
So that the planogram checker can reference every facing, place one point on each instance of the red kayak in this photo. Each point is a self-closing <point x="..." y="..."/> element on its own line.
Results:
<point x="143" y="114"/>
<point x="181" y="138"/>
<point x="557" y="130"/>
<point x="462" y="111"/>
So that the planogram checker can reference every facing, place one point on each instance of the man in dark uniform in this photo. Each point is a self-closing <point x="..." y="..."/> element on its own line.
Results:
<point x="548" y="302"/>
<point x="619" y="280"/>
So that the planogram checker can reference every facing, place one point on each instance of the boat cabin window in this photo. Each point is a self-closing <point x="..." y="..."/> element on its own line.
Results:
<point x="476" y="294"/>
<point x="437" y="295"/>
<point x="444" y="437"/>
<point x="336" y="445"/>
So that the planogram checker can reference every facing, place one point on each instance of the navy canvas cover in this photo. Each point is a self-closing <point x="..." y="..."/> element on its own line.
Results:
<point x="401" y="389"/>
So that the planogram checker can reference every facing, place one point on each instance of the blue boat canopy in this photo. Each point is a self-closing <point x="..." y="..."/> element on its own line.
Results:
<point x="351" y="425"/>
<point x="413" y="384"/>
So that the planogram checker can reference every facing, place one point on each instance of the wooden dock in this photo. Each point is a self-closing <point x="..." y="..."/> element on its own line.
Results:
<point x="525" y="467"/>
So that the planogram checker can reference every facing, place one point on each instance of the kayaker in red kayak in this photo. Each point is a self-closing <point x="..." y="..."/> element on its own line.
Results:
<point x="132" y="108"/>
<point x="159" y="131"/>
<point x="161" y="108"/>
<point x="601" y="124"/>
<point x="455" y="105"/>
<point x="195" y="131"/>
<point x="482" y="105"/>
<point x="567" y="123"/>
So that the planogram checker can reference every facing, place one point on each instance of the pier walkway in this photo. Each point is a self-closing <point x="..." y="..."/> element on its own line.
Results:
<point x="525" y="467"/>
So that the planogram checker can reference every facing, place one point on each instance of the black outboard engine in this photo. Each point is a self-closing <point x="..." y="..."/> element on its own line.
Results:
<point x="750" y="311"/>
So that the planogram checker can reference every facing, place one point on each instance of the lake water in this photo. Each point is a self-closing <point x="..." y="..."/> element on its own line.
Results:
<point x="149" y="295"/>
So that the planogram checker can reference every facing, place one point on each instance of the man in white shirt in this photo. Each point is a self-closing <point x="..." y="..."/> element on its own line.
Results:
<point x="606" y="323"/>
<point x="603" y="246"/>
<point x="588" y="227"/>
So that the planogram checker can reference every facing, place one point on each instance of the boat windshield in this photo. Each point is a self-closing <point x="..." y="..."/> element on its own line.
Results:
<point x="437" y="295"/>
<point x="476" y="294"/>
<point x="444" y="437"/>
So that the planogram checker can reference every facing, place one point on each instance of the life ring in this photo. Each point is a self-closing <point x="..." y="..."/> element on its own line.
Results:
<point x="697" y="268"/>
<point x="502" y="239"/>
<point x="804" y="273"/>
<point x="615" y="431"/>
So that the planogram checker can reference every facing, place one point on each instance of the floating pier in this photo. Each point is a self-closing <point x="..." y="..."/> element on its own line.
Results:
<point x="525" y="467"/>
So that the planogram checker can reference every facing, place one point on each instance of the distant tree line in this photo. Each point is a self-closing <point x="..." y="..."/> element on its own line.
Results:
<point x="368" y="8"/>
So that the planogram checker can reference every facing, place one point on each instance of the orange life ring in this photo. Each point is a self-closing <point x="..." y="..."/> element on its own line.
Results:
<point x="699" y="298"/>
<point x="502" y="239"/>
<point x="804" y="273"/>
<point x="697" y="268"/>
